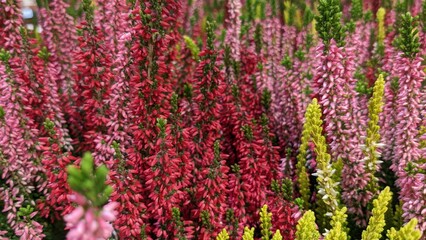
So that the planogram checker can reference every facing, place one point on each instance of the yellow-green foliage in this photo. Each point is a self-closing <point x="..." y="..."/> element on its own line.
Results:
<point x="407" y="232"/>
<point x="381" y="32"/>
<point x="422" y="131"/>
<point x="248" y="233"/>
<point x="375" y="106"/>
<point x="338" y="223"/>
<point x="313" y="28"/>
<point x="286" y="13"/>
<point x="306" y="228"/>
<point x="223" y="235"/>
<point x="260" y="9"/>
<point x="337" y="167"/>
<point x="190" y="44"/>
<point x="265" y="222"/>
<point x="298" y="21"/>
<point x="397" y="220"/>
<point x="327" y="186"/>
<point x="322" y="220"/>
<point x="377" y="220"/>
<point x="277" y="235"/>
<point x="302" y="176"/>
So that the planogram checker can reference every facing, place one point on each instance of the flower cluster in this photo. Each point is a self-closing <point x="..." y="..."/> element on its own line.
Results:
<point x="199" y="114"/>
<point x="92" y="217"/>
<point x="87" y="223"/>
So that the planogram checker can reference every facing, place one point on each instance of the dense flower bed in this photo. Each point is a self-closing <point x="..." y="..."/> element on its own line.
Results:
<point x="221" y="119"/>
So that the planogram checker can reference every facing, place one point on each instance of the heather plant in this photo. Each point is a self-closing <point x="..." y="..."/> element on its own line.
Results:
<point x="372" y="140"/>
<point x="222" y="119"/>
<point x="377" y="221"/>
<point x="408" y="159"/>
<point x="265" y="226"/>
<point x="306" y="227"/>
<point x="381" y="31"/>
<point x="91" y="218"/>
<point x="406" y="232"/>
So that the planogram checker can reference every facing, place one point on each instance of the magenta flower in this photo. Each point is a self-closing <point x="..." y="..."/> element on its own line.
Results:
<point x="60" y="38"/>
<point x="416" y="7"/>
<point x="10" y="21"/>
<point x="407" y="156"/>
<point x="19" y="169"/>
<point x="360" y="41"/>
<point x="334" y="87"/>
<point x="388" y="118"/>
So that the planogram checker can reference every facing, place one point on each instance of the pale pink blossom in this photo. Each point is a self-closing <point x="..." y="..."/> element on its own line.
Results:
<point x="87" y="222"/>
<point x="60" y="38"/>
<point x="233" y="23"/>
<point x="407" y="150"/>
<point x="334" y="85"/>
<point x="416" y="8"/>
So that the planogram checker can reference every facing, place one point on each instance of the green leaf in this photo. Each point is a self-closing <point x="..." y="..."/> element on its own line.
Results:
<point x="87" y="164"/>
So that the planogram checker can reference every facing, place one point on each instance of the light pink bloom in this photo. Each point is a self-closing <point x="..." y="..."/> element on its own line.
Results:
<point x="334" y="87"/>
<point x="417" y="7"/>
<point x="233" y="24"/>
<point x="60" y="38"/>
<point x="17" y="139"/>
<point x="89" y="223"/>
<point x="388" y="117"/>
<point x="195" y="8"/>
<point x="407" y="152"/>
